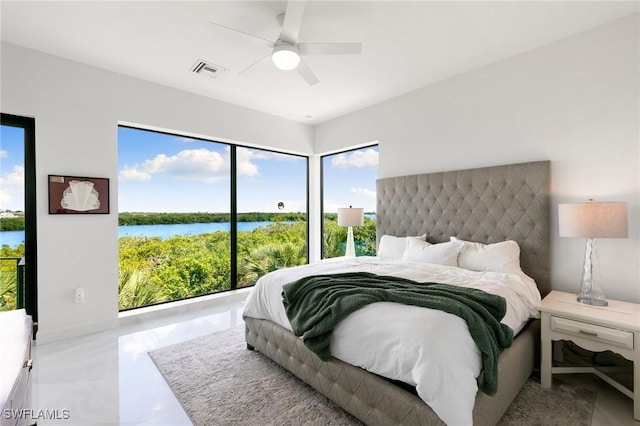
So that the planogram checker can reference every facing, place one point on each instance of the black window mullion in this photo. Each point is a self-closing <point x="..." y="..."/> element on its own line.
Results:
<point x="233" y="231"/>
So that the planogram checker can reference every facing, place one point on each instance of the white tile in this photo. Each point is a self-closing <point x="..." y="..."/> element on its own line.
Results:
<point x="108" y="378"/>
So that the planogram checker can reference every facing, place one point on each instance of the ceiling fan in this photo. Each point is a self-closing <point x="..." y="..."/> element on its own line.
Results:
<point x="287" y="53"/>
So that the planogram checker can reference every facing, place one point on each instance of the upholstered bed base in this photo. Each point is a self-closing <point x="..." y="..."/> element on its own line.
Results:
<point x="488" y="205"/>
<point x="377" y="401"/>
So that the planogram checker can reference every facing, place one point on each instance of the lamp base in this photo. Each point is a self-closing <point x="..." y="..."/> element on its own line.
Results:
<point x="590" y="291"/>
<point x="592" y="301"/>
<point x="351" y="247"/>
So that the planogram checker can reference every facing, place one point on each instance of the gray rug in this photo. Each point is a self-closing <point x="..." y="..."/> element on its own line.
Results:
<point x="219" y="382"/>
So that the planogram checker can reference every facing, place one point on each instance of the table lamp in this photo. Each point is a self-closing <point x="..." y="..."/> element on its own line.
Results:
<point x="592" y="220"/>
<point x="350" y="217"/>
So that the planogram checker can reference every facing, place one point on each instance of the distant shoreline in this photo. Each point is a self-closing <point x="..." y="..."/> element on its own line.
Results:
<point x="155" y="218"/>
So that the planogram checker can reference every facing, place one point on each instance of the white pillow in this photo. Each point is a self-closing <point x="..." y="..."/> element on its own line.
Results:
<point x="392" y="247"/>
<point x="497" y="257"/>
<point x="441" y="254"/>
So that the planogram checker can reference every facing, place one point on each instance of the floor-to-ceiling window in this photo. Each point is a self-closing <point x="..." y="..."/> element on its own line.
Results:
<point x="349" y="180"/>
<point x="18" y="276"/>
<point x="199" y="217"/>
<point x="272" y="212"/>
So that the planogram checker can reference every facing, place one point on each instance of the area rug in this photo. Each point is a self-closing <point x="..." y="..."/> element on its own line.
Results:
<point x="219" y="382"/>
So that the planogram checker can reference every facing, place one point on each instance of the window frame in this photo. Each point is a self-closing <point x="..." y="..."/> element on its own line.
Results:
<point x="233" y="206"/>
<point x="322" y="157"/>
<point x="28" y="124"/>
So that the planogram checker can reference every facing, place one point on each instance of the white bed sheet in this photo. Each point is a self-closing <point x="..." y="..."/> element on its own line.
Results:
<point x="398" y="341"/>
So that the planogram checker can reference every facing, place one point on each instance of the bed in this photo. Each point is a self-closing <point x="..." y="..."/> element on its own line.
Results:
<point x="15" y="361"/>
<point x="487" y="205"/>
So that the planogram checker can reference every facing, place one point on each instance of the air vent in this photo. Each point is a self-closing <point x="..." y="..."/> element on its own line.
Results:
<point x="207" y="68"/>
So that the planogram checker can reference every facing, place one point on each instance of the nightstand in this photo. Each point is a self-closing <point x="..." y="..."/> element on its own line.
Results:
<point x="596" y="328"/>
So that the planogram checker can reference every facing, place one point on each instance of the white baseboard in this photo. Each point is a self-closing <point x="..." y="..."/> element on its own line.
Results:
<point x="45" y="336"/>
<point x="139" y="315"/>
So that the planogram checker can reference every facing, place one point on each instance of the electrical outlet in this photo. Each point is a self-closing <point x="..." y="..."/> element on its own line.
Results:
<point x="80" y="295"/>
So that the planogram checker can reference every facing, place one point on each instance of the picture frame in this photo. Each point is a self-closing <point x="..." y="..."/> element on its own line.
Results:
<point x="78" y="195"/>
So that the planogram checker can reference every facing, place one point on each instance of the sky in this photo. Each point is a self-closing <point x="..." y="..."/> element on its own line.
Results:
<point x="160" y="172"/>
<point x="349" y="179"/>
<point x="168" y="173"/>
<point x="11" y="168"/>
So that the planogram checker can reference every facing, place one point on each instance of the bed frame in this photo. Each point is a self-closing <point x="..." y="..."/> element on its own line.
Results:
<point x="487" y="205"/>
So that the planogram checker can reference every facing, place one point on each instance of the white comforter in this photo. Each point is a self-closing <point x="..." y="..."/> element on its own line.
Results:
<point x="398" y="341"/>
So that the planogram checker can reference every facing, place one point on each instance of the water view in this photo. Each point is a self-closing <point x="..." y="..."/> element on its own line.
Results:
<point x="15" y="238"/>
<point x="11" y="238"/>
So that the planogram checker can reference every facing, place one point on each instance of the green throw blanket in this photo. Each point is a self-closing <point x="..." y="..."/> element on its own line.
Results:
<point x="317" y="303"/>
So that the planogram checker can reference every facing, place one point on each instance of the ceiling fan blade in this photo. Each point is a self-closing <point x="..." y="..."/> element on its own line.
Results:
<point x="330" y="48"/>
<point x="256" y="62"/>
<point x="292" y="20"/>
<point x="266" y="42"/>
<point x="306" y="73"/>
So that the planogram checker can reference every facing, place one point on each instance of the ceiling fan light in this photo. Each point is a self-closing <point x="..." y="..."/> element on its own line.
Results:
<point x="285" y="57"/>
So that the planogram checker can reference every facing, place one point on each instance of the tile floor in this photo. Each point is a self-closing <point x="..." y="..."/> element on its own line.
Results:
<point x="108" y="378"/>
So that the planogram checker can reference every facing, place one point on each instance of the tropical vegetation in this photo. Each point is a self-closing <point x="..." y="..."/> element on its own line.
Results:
<point x="9" y="258"/>
<point x="12" y="223"/>
<point x="153" y="270"/>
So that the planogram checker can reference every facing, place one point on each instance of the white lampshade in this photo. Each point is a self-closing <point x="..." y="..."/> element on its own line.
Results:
<point x="593" y="220"/>
<point x="350" y="216"/>
<point x="285" y="56"/>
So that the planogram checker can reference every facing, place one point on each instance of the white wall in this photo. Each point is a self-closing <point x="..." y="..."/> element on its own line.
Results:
<point x="574" y="102"/>
<point x="77" y="109"/>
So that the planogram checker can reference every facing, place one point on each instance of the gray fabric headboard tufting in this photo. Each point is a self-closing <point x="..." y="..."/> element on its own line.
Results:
<point x="487" y="205"/>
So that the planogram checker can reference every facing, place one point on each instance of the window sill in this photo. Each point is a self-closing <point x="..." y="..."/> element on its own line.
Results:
<point x="135" y="316"/>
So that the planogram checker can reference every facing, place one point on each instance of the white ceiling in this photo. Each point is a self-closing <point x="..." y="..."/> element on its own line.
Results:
<point x="405" y="45"/>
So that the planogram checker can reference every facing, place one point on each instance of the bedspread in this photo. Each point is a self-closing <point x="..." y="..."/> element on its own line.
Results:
<point x="426" y="348"/>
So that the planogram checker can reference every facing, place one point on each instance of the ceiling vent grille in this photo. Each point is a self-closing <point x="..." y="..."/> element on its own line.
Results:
<point x="207" y="68"/>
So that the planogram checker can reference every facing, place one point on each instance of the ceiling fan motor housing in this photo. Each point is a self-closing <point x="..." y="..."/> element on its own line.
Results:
<point x="285" y="56"/>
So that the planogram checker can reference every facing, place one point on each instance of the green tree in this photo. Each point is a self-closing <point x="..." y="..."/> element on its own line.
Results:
<point x="136" y="289"/>
<point x="270" y="257"/>
<point x="12" y="223"/>
<point x="193" y="265"/>
<point x="187" y="266"/>
<point x="334" y="237"/>
<point x="9" y="275"/>
<point x="8" y="285"/>
<point x="266" y="249"/>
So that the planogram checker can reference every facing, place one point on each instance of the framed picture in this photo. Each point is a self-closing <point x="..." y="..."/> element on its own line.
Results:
<point x="78" y="195"/>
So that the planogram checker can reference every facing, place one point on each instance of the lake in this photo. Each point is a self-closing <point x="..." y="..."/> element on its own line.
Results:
<point x="14" y="238"/>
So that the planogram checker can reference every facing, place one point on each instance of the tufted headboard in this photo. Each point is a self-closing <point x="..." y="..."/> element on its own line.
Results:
<point x="486" y="205"/>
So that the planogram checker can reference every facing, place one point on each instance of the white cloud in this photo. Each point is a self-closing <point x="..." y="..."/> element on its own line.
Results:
<point x="12" y="188"/>
<point x="191" y="164"/>
<point x="185" y="139"/>
<point x="364" y="192"/>
<point x="4" y="153"/>
<point x="133" y="174"/>
<point x="246" y="159"/>
<point x="197" y="164"/>
<point x="358" y="159"/>
<point x="243" y="159"/>
<point x="332" y="206"/>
